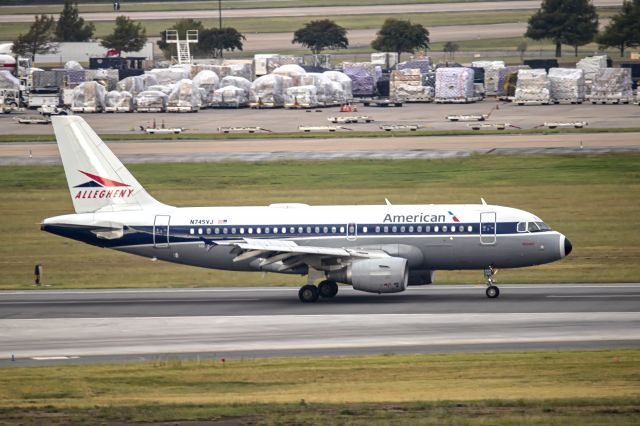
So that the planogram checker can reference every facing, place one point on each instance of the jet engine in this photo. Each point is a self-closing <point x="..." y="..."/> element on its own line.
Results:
<point x="383" y="275"/>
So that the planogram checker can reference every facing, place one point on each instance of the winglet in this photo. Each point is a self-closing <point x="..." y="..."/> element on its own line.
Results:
<point x="386" y="200"/>
<point x="484" y="203"/>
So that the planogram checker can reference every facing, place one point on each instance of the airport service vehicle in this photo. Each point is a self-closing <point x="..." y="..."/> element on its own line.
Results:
<point x="375" y="248"/>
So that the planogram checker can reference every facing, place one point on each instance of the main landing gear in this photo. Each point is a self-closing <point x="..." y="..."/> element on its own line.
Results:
<point x="309" y="293"/>
<point x="492" y="290"/>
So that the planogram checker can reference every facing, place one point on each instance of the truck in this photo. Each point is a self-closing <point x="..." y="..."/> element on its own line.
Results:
<point x="9" y="100"/>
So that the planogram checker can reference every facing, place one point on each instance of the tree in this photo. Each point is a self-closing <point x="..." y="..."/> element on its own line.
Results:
<point x="451" y="48"/>
<point x="522" y="48"/>
<point x="401" y="36"/>
<point x="72" y="27"/>
<point x="320" y="35"/>
<point x="126" y="36"/>
<point x="181" y="27"/>
<point x="572" y="22"/>
<point x="624" y="28"/>
<point x="217" y="40"/>
<point x="39" y="39"/>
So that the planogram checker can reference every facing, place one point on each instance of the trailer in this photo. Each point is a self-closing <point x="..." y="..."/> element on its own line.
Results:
<point x="457" y="100"/>
<point x="575" y="125"/>
<point x="350" y="119"/>
<point x="321" y="128"/>
<point x="163" y="130"/>
<point x="381" y="102"/>
<point x="176" y="108"/>
<point x="33" y="119"/>
<point x="567" y="101"/>
<point x="242" y="129"/>
<point x="48" y="110"/>
<point x="87" y="109"/>
<point x="399" y="127"/>
<point x="118" y="109"/>
<point x="492" y="126"/>
<point x="611" y="100"/>
<point x="532" y="102"/>
<point x="467" y="117"/>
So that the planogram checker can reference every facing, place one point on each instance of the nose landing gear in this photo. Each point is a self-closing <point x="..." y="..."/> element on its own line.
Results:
<point x="492" y="290"/>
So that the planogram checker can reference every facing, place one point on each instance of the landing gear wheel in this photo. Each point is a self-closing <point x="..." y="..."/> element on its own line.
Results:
<point x="493" y="292"/>
<point x="308" y="293"/>
<point x="327" y="289"/>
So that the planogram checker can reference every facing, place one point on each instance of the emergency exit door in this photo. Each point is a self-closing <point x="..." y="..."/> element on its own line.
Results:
<point x="161" y="231"/>
<point x="488" y="228"/>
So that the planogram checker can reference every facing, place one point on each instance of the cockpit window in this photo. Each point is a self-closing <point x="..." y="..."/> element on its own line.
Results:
<point x="522" y="226"/>
<point x="537" y="227"/>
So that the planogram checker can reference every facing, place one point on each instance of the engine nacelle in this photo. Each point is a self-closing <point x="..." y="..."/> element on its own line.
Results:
<point x="384" y="275"/>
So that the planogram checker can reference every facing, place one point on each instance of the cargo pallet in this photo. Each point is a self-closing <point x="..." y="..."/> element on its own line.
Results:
<point x="182" y="109"/>
<point x="575" y="125"/>
<point x="149" y="109"/>
<point x="425" y="100"/>
<point x="381" y="102"/>
<point x="567" y="101"/>
<point x="532" y="102"/>
<point x="610" y="101"/>
<point x="266" y="105"/>
<point x="86" y="109"/>
<point x="457" y="100"/>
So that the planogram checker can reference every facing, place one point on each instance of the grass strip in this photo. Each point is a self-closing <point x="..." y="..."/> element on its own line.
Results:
<point x="568" y="387"/>
<point x="593" y="199"/>
<point x="321" y="135"/>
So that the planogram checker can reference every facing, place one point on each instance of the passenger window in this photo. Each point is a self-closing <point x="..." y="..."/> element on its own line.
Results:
<point x="199" y="231"/>
<point x="191" y="231"/>
<point x="461" y="228"/>
<point x="333" y="229"/>
<point x="308" y="229"/>
<point x="402" y="229"/>
<point x="300" y="230"/>
<point x="283" y="230"/>
<point x="444" y="228"/>
<point x="469" y="228"/>
<point x="225" y="231"/>
<point x="377" y="229"/>
<point x="266" y="230"/>
<point x="428" y="229"/>
<point x="386" y="229"/>
<point x="292" y="230"/>
<point x="217" y="231"/>
<point x="325" y="230"/>
<point x="435" y="229"/>
<point x="251" y="230"/>
<point x="258" y="230"/>
<point x="419" y="228"/>
<point x="242" y="230"/>
<point x="364" y="229"/>
<point x="342" y="229"/>
<point x="233" y="230"/>
<point x="208" y="231"/>
<point x="317" y="229"/>
<point x="394" y="229"/>
<point x="411" y="229"/>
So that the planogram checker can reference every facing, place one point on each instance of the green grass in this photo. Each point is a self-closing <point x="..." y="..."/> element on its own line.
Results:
<point x="320" y="135"/>
<point x="571" y="387"/>
<point x="594" y="200"/>
<point x="212" y="5"/>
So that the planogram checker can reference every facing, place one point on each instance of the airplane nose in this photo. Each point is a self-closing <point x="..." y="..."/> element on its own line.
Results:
<point x="567" y="246"/>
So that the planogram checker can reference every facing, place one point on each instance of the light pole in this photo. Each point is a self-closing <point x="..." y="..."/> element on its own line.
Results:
<point x="220" y="14"/>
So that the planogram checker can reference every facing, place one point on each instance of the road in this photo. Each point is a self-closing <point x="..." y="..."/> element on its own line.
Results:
<point x="90" y="325"/>
<point x="314" y="11"/>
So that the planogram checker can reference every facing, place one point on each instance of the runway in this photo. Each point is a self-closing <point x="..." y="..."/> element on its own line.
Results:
<point x="113" y="325"/>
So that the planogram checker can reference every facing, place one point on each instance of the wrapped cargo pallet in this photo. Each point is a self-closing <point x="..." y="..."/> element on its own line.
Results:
<point x="107" y="77"/>
<point x="567" y="85"/>
<point x="161" y="88"/>
<point x="491" y="76"/>
<point x="532" y="88"/>
<point x="119" y="101"/>
<point x="75" y="77"/>
<point x="73" y="65"/>
<point x="230" y="97"/>
<point x="386" y="60"/>
<point x="301" y="97"/>
<point x="424" y="65"/>
<point x="54" y="78"/>
<point x="363" y="77"/>
<point x="167" y="76"/>
<point x="343" y="79"/>
<point x="242" y="69"/>
<point x="612" y="86"/>
<point x="454" y="85"/>
<point x="149" y="80"/>
<point x="151" y="101"/>
<point x="401" y="80"/>
<point x="409" y="93"/>
<point x="134" y="85"/>
<point x="209" y="82"/>
<point x="88" y="97"/>
<point x="324" y="88"/>
<point x="292" y="71"/>
<point x="184" y="97"/>
<point x="239" y="82"/>
<point x="278" y="61"/>
<point x="268" y="91"/>
<point x="591" y="65"/>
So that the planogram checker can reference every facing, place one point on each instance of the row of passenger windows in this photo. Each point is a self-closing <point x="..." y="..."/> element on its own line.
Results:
<point x="330" y="229"/>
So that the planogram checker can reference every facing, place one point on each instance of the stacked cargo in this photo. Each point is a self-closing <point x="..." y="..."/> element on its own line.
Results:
<point x="363" y="77"/>
<point x="185" y="97"/>
<point x="532" y="88"/>
<point x="134" y="85"/>
<point x="168" y="76"/>
<point x="491" y="75"/>
<point x="454" y="85"/>
<point x="290" y="70"/>
<point x="301" y="97"/>
<point x="567" y="85"/>
<point x="88" y="97"/>
<point x="230" y="97"/>
<point x="386" y="60"/>
<point x="49" y="79"/>
<point x="151" y="101"/>
<point x="591" y="65"/>
<point x="325" y="90"/>
<point x="406" y="85"/>
<point x="268" y="91"/>
<point x="612" y="86"/>
<point x="281" y="60"/>
<point x="107" y="77"/>
<point x="209" y="82"/>
<point x="240" y="82"/>
<point x="119" y="101"/>
<point x="424" y="65"/>
<point x="344" y="81"/>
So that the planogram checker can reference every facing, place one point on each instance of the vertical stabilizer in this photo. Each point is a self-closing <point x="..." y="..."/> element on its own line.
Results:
<point x="97" y="179"/>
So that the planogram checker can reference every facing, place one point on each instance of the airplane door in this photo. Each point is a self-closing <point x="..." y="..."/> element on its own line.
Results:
<point x="352" y="232"/>
<point x="161" y="231"/>
<point x="488" y="228"/>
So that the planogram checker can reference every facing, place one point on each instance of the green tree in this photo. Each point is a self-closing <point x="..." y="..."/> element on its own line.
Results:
<point x="401" y="36"/>
<point x="451" y="48"/>
<point x="217" y="40"/>
<point x="39" y="39"/>
<point x="320" y="35"/>
<point x="70" y="26"/>
<point x="181" y="27"/>
<point x="126" y="37"/>
<point x="624" y="28"/>
<point x="572" y="22"/>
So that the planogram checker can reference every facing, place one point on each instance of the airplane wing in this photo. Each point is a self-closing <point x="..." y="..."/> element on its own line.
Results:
<point x="288" y="254"/>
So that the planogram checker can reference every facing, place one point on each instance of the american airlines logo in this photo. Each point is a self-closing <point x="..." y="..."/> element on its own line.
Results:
<point x="101" y="187"/>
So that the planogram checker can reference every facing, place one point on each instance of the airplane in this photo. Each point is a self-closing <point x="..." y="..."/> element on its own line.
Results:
<point x="374" y="248"/>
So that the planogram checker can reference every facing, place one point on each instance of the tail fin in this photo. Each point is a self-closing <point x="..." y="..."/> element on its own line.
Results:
<point x="97" y="179"/>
